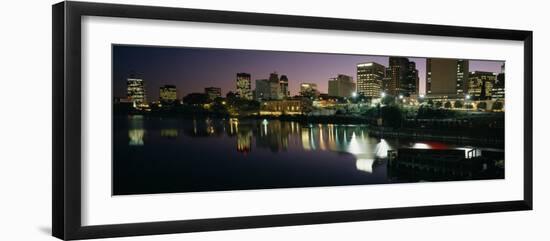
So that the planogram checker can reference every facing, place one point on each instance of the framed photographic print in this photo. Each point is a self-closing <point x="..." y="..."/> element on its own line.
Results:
<point x="170" y="120"/>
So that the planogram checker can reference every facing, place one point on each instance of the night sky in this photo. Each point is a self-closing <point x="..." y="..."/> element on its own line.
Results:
<point x="193" y="69"/>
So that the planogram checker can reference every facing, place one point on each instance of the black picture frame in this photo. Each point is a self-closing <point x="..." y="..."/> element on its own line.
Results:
<point x="66" y="47"/>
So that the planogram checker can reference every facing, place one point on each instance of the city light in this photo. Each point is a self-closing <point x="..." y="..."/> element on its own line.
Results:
<point x="333" y="116"/>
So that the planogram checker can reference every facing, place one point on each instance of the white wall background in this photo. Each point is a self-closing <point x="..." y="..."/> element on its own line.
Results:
<point x="25" y="120"/>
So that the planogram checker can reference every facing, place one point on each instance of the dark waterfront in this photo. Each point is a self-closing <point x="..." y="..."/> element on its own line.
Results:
<point x="154" y="154"/>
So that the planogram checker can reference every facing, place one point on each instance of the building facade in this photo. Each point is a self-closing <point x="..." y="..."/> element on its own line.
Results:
<point x="283" y="81"/>
<point x="402" y="77"/>
<point x="462" y="72"/>
<point x="341" y="86"/>
<point x="498" y="88"/>
<point x="168" y="94"/>
<point x="213" y="92"/>
<point x="283" y="107"/>
<point x="136" y="91"/>
<point x="244" y="86"/>
<point x="480" y="86"/>
<point x="268" y="89"/>
<point x="386" y="81"/>
<point x="446" y="76"/>
<point x="413" y="80"/>
<point x="370" y="77"/>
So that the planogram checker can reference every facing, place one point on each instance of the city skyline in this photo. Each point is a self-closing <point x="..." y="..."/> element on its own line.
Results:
<point x="159" y="66"/>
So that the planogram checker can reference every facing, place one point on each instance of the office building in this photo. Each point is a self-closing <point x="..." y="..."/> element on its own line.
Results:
<point x="413" y="80"/>
<point x="480" y="84"/>
<point x="213" y="92"/>
<point x="402" y="77"/>
<point x="268" y="89"/>
<point x="369" y="79"/>
<point x="462" y="73"/>
<point x="283" y="81"/>
<point x="386" y="81"/>
<point x="244" y="86"/>
<point x="498" y="87"/>
<point x="136" y="91"/>
<point x="341" y="86"/>
<point x="274" y="78"/>
<point x="168" y="94"/>
<point x="446" y="77"/>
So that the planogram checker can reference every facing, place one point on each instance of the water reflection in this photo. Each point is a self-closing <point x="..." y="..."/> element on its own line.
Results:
<point x="183" y="152"/>
<point x="136" y="132"/>
<point x="244" y="137"/>
<point x="169" y="133"/>
<point x="279" y="136"/>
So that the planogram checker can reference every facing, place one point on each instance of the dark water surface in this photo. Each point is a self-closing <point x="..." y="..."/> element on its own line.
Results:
<point x="165" y="155"/>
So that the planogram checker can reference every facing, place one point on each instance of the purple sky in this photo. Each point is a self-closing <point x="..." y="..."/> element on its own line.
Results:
<point x="192" y="69"/>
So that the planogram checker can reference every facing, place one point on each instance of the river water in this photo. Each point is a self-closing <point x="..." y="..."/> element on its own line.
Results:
<point x="166" y="155"/>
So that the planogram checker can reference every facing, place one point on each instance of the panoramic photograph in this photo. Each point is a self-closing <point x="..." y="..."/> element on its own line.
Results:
<point x="206" y="119"/>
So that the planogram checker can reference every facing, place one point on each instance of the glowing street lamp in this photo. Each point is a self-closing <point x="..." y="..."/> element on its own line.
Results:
<point x="400" y="96"/>
<point x="383" y="94"/>
<point x="354" y="94"/>
<point x="468" y="97"/>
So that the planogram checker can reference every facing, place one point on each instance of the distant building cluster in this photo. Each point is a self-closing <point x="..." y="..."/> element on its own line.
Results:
<point x="451" y="79"/>
<point x="448" y="81"/>
<point x="274" y="88"/>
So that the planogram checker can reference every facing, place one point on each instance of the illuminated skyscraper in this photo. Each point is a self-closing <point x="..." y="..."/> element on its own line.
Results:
<point x="136" y="90"/>
<point x="480" y="84"/>
<point x="369" y="79"/>
<point x="244" y="86"/>
<point x="168" y="94"/>
<point x="402" y="77"/>
<point x="341" y="86"/>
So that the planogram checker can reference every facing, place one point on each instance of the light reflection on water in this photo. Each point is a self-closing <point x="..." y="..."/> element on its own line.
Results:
<point x="136" y="132"/>
<point x="277" y="136"/>
<point x="178" y="155"/>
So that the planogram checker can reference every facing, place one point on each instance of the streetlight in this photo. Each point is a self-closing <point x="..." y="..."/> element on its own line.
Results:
<point x="383" y="94"/>
<point x="400" y="96"/>
<point x="468" y="97"/>
<point x="354" y="94"/>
